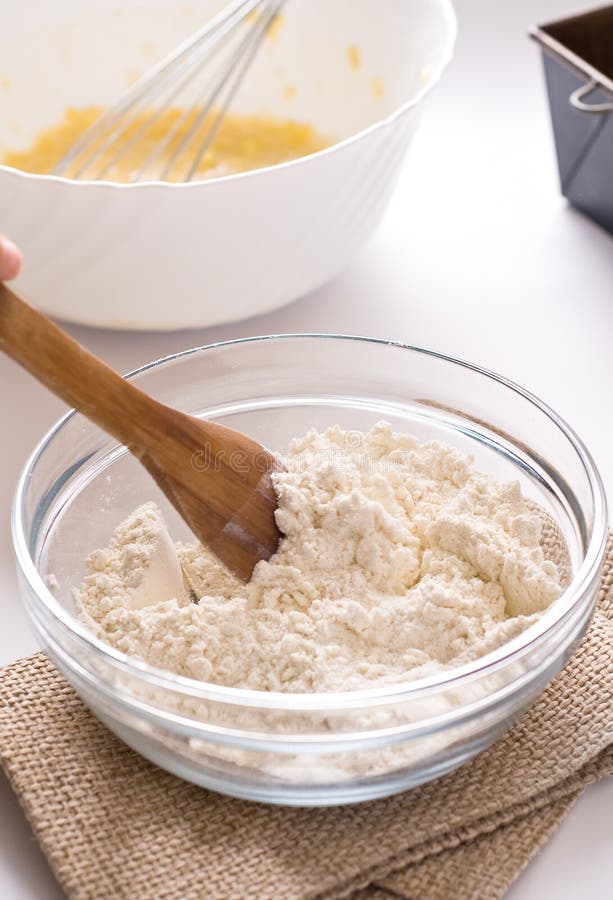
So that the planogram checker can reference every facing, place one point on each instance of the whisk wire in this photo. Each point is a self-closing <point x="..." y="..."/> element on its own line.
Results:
<point x="246" y="51"/>
<point x="155" y="115"/>
<point x="130" y="98"/>
<point x="112" y="125"/>
<point x="234" y="85"/>
<point x="170" y="134"/>
<point x="192" y="55"/>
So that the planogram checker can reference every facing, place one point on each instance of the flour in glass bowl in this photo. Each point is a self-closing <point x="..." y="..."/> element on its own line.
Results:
<point x="398" y="560"/>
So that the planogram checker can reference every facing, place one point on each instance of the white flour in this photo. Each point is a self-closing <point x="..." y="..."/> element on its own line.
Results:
<point x="399" y="560"/>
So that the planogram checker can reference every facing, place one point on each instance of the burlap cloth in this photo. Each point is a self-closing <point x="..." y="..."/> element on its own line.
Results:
<point x="114" y="826"/>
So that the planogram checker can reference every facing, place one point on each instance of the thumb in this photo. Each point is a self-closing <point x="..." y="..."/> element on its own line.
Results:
<point x="10" y="259"/>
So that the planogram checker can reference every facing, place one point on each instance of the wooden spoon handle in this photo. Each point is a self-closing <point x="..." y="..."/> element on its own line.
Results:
<point x="74" y="374"/>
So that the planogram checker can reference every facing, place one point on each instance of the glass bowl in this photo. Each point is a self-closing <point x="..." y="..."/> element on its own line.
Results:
<point x="308" y="749"/>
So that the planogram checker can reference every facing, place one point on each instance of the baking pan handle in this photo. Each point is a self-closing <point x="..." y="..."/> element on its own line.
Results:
<point x="577" y="102"/>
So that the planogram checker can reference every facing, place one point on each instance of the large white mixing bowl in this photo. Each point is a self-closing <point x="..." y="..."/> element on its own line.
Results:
<point x="167" y="256"/>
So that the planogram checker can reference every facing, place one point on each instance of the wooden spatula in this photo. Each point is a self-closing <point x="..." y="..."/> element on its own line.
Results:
<point x="216" y="478"/>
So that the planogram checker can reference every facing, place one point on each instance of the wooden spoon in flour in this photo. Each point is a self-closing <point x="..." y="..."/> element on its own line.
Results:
<point x="217" y="479"/>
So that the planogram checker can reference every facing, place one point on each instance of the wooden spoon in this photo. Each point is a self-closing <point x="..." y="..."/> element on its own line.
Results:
<point x="217" y="479"/>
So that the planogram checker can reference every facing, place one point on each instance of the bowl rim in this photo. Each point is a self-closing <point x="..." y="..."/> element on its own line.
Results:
<point x="450" y="22"/>
<point x="561" y="609"/>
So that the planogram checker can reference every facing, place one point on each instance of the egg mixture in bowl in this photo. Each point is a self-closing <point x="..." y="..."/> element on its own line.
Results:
<point x="241" y="144"/>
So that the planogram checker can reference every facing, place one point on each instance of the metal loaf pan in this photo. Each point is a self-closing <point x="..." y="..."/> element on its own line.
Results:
<point x="578" y="59"/>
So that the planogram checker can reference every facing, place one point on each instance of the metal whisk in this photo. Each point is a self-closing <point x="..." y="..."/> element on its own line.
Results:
<point x="231" y="40"/>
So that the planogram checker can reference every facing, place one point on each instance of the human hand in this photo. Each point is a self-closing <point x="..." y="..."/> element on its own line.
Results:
<point x="10" y="259"/>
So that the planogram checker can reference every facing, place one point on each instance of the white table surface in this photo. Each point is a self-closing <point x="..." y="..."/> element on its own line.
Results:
<point x="479" y="257"/>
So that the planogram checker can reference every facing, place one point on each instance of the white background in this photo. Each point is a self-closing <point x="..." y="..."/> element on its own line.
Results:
<point x="478" y="257"/>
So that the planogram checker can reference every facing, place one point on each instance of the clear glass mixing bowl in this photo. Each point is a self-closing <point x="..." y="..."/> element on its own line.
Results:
<point x="294" y="748"/>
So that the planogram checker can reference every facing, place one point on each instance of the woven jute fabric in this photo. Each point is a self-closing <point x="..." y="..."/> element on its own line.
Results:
<point x="114" y="827"/>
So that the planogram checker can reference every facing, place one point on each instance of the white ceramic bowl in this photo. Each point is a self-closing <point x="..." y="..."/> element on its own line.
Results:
<point x="167" y="256"/>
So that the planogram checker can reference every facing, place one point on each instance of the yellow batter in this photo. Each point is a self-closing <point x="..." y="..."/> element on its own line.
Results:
<point x="242" y="143"/>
